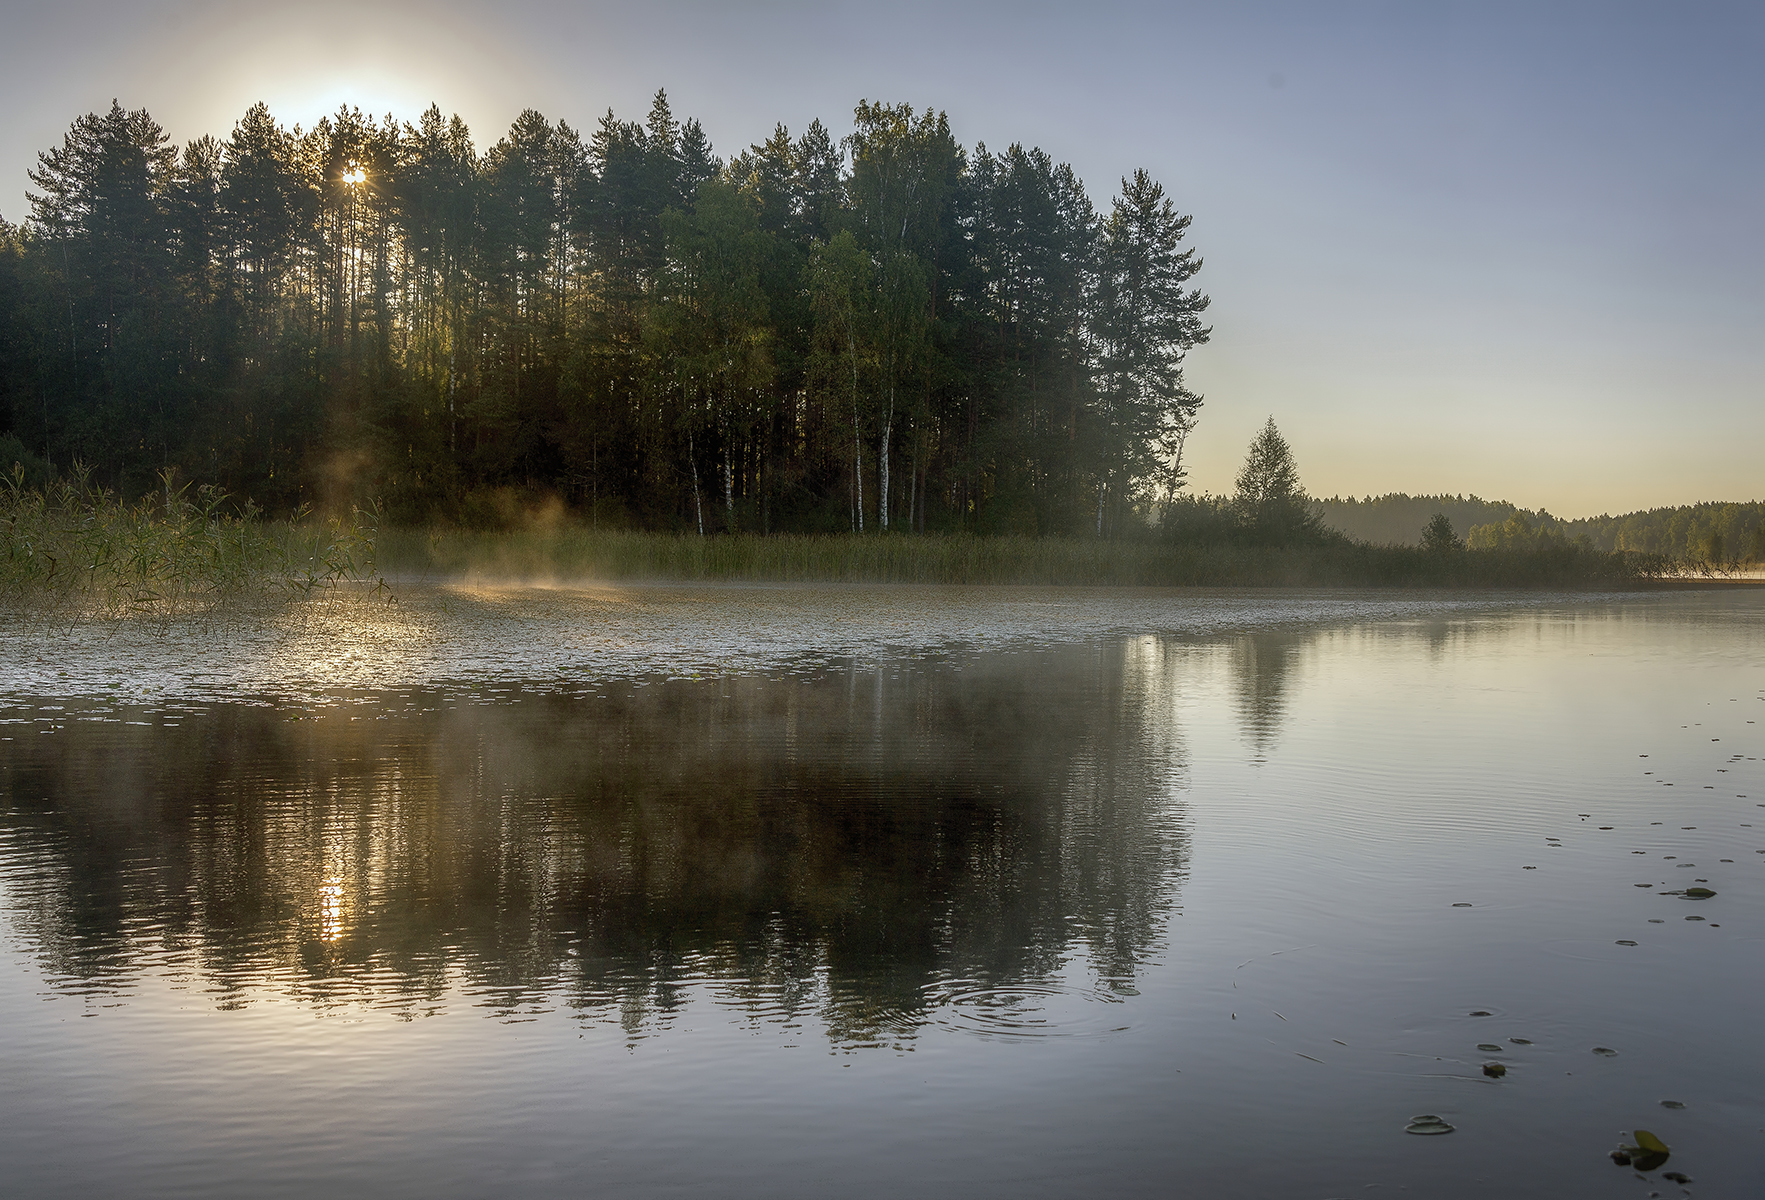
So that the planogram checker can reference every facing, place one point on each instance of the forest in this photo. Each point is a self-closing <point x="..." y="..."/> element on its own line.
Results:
<point x="1711" y="532"/>
<point x="886" y="332"/>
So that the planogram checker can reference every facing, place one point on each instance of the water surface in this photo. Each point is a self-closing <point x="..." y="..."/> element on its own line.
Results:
<point x="794" y="891"/>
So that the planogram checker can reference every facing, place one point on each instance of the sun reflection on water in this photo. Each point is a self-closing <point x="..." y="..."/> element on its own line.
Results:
<point x="331" y="909"/>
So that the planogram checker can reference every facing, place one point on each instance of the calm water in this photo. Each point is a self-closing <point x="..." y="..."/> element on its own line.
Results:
<point x="876" y="892"/>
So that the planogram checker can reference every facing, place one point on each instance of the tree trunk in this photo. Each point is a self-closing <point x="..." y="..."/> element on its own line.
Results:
<point x="882" y="514"/>
<point x="857" y="438"/>
<point x="728" y="492"/>
<point x="913" y="487"/>
<point x="698" y="508"/>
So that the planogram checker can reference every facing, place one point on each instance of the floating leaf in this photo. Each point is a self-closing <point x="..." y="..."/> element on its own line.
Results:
<point x="1605" y="1052"/>
<point x="1494" y="1070"/>
<point x="1521" y="1041"/>
<point x="1427" y="1125"/>
<point x="1698" y="893"/>
<point x="1650" y="1142"/>
<point x="1672" y="1104"/>
<point x="1625" y="942"/>
<point x="1488" y="1047"/>
<point x="1676" y="1176"/>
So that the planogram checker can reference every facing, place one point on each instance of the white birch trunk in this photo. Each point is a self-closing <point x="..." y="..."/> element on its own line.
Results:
<point x="882" y="516"/>
<point x="698" y="509"/>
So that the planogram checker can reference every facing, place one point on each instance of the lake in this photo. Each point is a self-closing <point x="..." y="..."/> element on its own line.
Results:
<point x="879" y="891"/>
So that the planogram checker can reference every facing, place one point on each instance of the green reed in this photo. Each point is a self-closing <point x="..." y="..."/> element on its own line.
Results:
<point x="72" y="545"/>
<point x="569" y="552"/>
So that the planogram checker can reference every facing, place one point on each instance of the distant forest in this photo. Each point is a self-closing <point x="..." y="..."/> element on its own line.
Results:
<point x="1710" y="532"/>
<point x="883" y="332"/>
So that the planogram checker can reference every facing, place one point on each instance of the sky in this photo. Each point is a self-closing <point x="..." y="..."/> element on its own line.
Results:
<point x="1506" y="249"/>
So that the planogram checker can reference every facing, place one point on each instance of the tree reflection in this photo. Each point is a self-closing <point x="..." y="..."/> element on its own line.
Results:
<point x="1262" y="664"/>
<point x="842" y="844"/>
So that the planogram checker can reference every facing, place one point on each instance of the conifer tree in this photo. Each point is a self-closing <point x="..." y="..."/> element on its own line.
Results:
<point x="1145" y="325"/>
<point x="1269" y="500"/>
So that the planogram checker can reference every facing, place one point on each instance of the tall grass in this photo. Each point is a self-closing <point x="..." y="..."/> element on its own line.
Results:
<point x="71" y="545"/>
<point x="569" y="552"/>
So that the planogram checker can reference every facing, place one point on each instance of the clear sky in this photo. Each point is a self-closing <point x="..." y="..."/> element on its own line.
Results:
<point x="1510" y="249"/>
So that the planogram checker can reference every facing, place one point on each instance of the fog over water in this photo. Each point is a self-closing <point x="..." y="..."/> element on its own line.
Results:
<point x="770" y="890"/>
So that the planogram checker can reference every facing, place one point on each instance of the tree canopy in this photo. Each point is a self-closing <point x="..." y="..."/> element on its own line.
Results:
<point x="883" y="332"/>
<point x="1270" y="502"/>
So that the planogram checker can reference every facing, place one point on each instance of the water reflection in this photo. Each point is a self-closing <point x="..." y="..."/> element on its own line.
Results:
<point x="1262" y="665"/>
<point x="867" y="844"/>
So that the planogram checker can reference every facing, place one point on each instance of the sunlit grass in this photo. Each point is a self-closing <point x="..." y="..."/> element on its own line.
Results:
<point x="73" y="546"/>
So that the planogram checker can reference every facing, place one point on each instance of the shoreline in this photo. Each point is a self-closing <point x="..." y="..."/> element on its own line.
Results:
<point x="577" y="554"/>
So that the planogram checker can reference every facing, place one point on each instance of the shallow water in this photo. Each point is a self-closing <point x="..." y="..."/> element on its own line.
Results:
<point x="795" y="891"/>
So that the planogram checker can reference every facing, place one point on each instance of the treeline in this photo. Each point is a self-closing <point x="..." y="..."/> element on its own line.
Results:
<point x="1397" y="519"/>
<point x="882" y="332"/>
<point x="1713" y="533"/>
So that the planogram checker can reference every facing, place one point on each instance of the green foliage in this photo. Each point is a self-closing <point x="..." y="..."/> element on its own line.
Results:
<point x="567" y="550"/>
<point x="74" y="545"/>
<point x="1438" y="536"/>
<point x="1145" y="325"/>
<point x="1710" y="536"/>
<point x="1395" y="519"/>
<point x="873" y="334"/>
<point x="1521" y="531"/>
<point x="1271" y="505"/>
<point x="18" y="464"/>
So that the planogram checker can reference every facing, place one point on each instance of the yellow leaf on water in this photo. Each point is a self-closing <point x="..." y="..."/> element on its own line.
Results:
<point x="1651" y="1143"/>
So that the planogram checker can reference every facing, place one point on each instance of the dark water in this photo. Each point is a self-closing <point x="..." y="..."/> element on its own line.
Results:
<point x="799" y="892"/>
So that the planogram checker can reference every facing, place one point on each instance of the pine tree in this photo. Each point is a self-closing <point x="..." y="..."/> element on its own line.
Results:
<point x="606" y="320"/>
<point x="1270" y="503"/>
<point x="1145" y="325"/>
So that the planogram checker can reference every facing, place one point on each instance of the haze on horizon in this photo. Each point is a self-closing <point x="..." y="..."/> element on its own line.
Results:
<point x="1477" y="248"/>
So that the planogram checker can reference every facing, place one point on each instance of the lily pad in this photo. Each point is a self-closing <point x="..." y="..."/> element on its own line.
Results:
<point x="1494" y="1070"/>
<point x="1521" y="1041"/>
<point x="1605" y="1052"/>
<point x="1698" y="893"/>
<point x="1488" y="1047"/>
<point x="1427" y="1123"/>
<point x="1625" y="942"/>
<point x="1672" y="1104"/>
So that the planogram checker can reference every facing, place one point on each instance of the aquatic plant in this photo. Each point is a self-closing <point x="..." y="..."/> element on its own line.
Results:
<point x="573" y="552"/>
<point x="71" y="543"/>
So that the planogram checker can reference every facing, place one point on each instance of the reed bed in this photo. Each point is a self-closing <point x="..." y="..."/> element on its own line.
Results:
<point x="574" y="553"/>
<point x="75" y="547"/>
